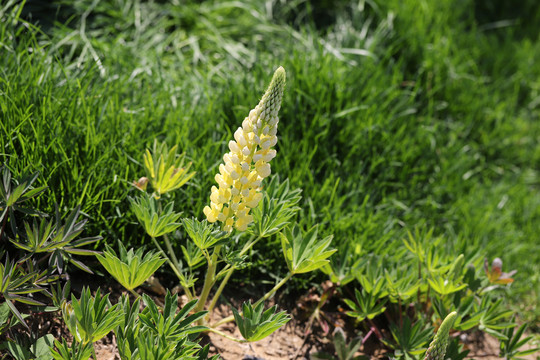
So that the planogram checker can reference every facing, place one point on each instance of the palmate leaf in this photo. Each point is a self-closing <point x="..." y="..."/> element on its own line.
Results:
<point x="22" y="192"/>
<point x="254" y="324"/>
<point x="14" y="282"/>
<point x="277" y="207"/>
<point x="156" y="222"/>
<point x="401" y="283"/>
<point x="150" y="346"/>
<point x="367" y="305"/>
<point x="305" y="252"/>
<point x="165" y="169"/>
<point x="91" y="318"/>
<point x="445" y="286"/>
<point x="77" y="351"/>
<point x="193" y="255"/>
<point x="58" y="237"/>
<point x="50" y="236"/>
<point x="128" y="331"/>
<point x="14" y="193"/>
<point x="341" y="268"/>
<point x="203" y="234"/>
<point x="346" y="351"/>
<point x="130" y="269"/>
<point x="409" y="338"/>
<point x="487" y="316"/>
<point x="510" y="347"/>
<point x="492" y="318"/>
<point x="168" y="324"/>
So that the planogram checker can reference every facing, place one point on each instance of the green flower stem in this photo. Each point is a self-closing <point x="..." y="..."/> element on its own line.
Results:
<point x="171" y="252"/>
<point x="187" y="291"/>
<point x="264" y="298"/>
<point x="274" y="289"/>
<point x="229" y="271"/>
<point x="220" y="289"/>
<point x="94" y="351"/>
<point x="227" y="336"/>
<point x="209" y="281"/>
<point x="249" y="244"/>
<point x="169" y="246"/>
<point x="134" y="293"/>
<point x="3" y="226"/>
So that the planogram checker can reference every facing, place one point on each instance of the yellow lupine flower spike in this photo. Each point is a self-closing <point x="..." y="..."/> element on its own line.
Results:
<point x="247" y="163"/>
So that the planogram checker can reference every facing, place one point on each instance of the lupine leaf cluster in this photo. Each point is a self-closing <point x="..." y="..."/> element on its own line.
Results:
<point x="156" y="222"/>
<point x="305" y="252"/>
<point x="255" y="323"/>
<point x="131" y="268"/>
<point x="91" y="317"/>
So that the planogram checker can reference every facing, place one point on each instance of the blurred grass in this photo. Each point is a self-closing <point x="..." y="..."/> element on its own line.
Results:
<point x="398" y="114"/>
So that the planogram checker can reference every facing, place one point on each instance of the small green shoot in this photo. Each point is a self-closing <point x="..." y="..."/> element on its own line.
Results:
<point x="91" y="317"/>
<point x="409" y="339"/>
<point x="510" y="347"/>
<point x="344" y="350"/>
<point x="77" y="351"/>
<point x="255" y="325"/>
<point x="368" y="304"/>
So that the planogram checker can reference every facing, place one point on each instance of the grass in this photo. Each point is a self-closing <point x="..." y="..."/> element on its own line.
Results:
<point x="397" y="115"/>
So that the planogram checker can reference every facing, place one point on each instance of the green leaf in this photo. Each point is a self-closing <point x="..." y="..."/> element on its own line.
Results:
<point x="165" y="169"/>
<point x="445" y="286"/>
<point x="155" y="222"/>
<point x="18" y="351"/>
<point x="409" y="338"/>
<point x="15" y="196"/>
<point x="167" y="324"/>
<point x="42" y="347"/>
<point x="368" y="305"/>
<point x="276" y="209"/>
<point x="341" y="267"/>
<point x="132" y="268"/>
<point x="305" y="252"/>
<point x="77" y="351"/>
<point x="254" y="324"/>
<point x="203" y="234"/>
<point x="4" y="314"/>
<point x="346" y="351"/>
<point x="193" y="255"/>
<point x="58" y="238"/>
<point x="90" y="319"/>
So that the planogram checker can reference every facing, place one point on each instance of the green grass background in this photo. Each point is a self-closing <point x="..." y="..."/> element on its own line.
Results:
<point x="397" y="114"/>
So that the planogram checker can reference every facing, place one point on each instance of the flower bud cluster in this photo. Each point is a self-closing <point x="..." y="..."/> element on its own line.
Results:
<point x="437" y="348"/>
<point x="248" y="162"/>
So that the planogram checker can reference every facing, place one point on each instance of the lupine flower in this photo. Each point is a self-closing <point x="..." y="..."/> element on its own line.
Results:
<point x="437" y="348"/>
<point x="495" y="275"/>
<point x="248" y="162"/>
